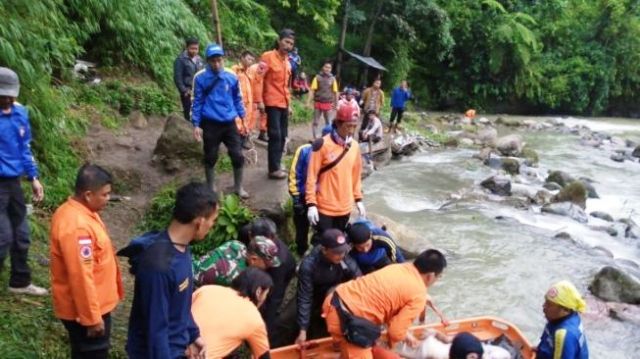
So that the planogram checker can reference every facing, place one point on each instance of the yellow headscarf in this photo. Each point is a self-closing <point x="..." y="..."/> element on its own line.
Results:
<point x="565" y="294"/>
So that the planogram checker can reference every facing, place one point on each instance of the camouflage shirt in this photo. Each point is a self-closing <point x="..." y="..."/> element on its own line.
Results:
<point x="221" y="265"/>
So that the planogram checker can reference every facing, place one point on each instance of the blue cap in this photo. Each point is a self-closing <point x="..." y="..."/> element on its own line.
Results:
<point x="213" y="50"/>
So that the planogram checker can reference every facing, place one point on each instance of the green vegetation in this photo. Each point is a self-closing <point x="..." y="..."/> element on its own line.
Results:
<point x="231" y="217"/>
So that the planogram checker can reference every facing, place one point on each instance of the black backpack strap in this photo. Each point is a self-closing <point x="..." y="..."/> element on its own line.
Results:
<point x="335" y="162"/>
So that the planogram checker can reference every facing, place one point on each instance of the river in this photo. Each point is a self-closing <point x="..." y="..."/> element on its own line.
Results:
<point x="503" y="267"/>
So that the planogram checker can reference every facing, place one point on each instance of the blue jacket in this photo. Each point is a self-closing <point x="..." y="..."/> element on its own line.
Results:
<point x="298" y="173"/>
<point x="399" y="97"/>
<point x="216" y="97"/>
<point x="160" y="324"/>
<point x="16" y="158"/>
<point x="384" y="251"/>
<point x="563" y="339"/>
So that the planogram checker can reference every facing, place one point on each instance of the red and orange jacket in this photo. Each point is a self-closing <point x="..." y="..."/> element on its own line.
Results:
<point x="276" y="80"/>
<point x="247" y="96"/>
<point x="85" y="278"/>
<point x="335" y="191"/>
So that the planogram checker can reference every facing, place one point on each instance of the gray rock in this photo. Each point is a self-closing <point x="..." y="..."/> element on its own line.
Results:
<point x="531" y="156"/>
<point x="508" y="121"/>
<point x="500" y="185"/>
<point x="567" y="209"/>
<point x="612" y="284"/>
<point x="602" y="215"/>
<point x="588" y="185"/>
<point x="552" y="186"/>
<point x="574" y="192"/>
<point x="632" y="230"/>
<point x="467" y="142"/>
<point x="636" y="152"/>
<point x="630" y="143"/>
<point x="138" y="120"/>
<point x="563" y="235"/>
<point x="617" y="157"/>
<point x="176" y="145"/>
<point x="560" y="177"/>
<point x="487" y="136"/>
<point x="484" y="154"/>
<point x="510" y="145"/>
<point x="522" y="190"/>
<point x="511" y="166"/>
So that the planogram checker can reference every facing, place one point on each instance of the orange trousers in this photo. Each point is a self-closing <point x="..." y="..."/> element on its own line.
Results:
<point x="348" y="350"/>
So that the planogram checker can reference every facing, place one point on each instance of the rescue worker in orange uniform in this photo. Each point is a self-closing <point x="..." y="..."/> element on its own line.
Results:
<point x="241" y="70"/>
<point x="277" y="100"/>
<point x="256" y="74"/>
<point x="393" y="296"/>
<point x="85" y="278"/>
<point x="334" y="175"/>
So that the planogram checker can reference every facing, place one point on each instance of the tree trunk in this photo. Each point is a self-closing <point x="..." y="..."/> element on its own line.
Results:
<point x="343" y="35"/>
<point x="367" y="44"/>
<point x="216" y="21"/>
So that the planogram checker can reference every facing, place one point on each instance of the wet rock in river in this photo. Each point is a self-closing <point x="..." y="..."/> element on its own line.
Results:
<point x="617" y="157"/>
<point x="636" y="152"/>
<point x="632" y="230"/>
<point x="560" y="177"/>
<point x="567" y="209"/>
<point x="508" y="121"/>
<point x="511" y="166"/>
<point x="487" y="137"/>
<point x="563" y="235"/>
<point x="588" y="185"/>
<point x="552" y="186"/>
<point x="510" y="145"/>
<point x="613" y="284"/>
<point x="602" y="215"/>
<point x="575" y="192"/>
<point x="530" y="156"/>
<point x="500" y="185"/>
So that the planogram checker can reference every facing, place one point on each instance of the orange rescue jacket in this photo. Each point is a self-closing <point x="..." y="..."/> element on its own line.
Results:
<point x="335" y="191"/>
<point x="276" y="80"/>
<point x="247" y="97"/>
<point x="394" y="295"/>
<point x="256" y="83"/>
<point x="85" y="277"/>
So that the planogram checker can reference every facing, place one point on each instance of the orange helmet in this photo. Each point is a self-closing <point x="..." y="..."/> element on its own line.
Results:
<point x="471" y="113"/>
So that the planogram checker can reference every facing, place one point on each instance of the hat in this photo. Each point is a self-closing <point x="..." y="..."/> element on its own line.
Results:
<point x="213" y="50"/>
<point x="346" y="113"/>
<point x="566" y="295"/>
<point x="359" y="233"/>
<point x="334" y="240"/>
<point x="463" y="344"/>
<point x="9" y="83"/>
<point x="266" y="249"/>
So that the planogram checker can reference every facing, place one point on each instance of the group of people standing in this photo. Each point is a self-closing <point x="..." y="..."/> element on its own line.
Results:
<point x="352" y="277"/>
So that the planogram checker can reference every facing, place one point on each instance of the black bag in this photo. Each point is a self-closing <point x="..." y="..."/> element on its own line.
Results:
<point x="356" y="330"/>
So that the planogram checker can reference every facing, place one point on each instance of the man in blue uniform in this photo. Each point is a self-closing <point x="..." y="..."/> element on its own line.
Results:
<point x="399" y="97"/>
<point x="372" y="248"/>
<point x="161" y="324"/>
<point x="217" y="102"/>
<point x="563" y="336"/>
<point x="16" y="161"/>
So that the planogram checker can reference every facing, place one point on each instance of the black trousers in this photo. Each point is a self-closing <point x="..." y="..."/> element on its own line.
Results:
<point x="186" y="106"/>
<point x="14" y="232"/>
<point x="396" y="113"/>
<point x="214" y="133"/>
<point x="83" y="347"/>
<point x="327" y="222"/>
<point x="277" y="127"/>
<point x="301" y="222"/>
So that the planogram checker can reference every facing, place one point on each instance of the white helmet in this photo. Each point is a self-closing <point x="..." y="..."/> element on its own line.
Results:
<point x="9" y="83"/>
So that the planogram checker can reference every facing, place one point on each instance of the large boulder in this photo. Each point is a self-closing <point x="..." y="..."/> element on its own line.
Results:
<point x="176" y="146"/>
<point x="487" y="137"/>
<point x="510" y="145"/>
<point x="574" y="192"/>
<point x="500" y="185"/>
<point x="560" y="177"/>
<point x="612" y="284"/>
<point x="567" y="209"/>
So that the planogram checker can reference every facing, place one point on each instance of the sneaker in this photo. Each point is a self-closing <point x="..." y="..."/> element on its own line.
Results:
<point x="242" y="194"/>
<point x="30" y="290"/>
<point x="279" y="174"/>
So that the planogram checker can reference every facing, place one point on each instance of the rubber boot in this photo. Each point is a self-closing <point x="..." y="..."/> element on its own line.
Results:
<point x="237" y="183"/>
<point x="210" y="174"/>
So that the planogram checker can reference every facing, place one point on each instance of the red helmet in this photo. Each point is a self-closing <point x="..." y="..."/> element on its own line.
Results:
<point x="346" y="113"/>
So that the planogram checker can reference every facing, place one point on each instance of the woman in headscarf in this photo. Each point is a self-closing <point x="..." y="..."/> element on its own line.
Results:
<point x="229" y="316"/>
<point x="563" y="336"/>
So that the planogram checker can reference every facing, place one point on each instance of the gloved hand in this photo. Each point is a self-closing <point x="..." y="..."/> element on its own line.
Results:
<point x="363" y="212"/>
<point x="312" y="215"/>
